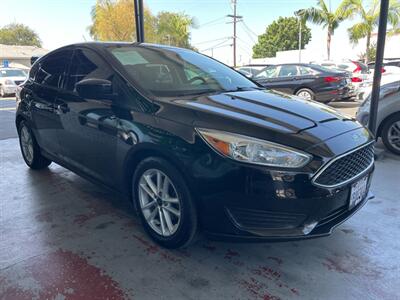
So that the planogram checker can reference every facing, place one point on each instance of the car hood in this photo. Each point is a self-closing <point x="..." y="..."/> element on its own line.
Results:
<point x="269" y="109"/>
<point x="263" y="114"/>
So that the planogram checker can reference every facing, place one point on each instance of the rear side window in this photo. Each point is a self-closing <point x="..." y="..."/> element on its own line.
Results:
<point x="52" y="68"/>
<point x="287" y="71"/>
<point x="86" y="64"/>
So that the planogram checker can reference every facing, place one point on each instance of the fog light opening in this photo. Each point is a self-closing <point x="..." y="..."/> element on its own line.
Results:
<point x="309" y="227"/>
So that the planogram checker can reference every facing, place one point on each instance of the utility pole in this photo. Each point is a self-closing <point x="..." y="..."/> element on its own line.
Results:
<point x="235" y="19"/>
<point x="380" y="50"/>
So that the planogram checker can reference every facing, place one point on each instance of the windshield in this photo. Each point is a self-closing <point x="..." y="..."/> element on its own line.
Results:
<point x="177" y="72"/>
<point x="12" y="73"/>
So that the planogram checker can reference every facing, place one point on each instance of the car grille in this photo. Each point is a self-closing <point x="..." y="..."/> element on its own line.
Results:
<point x="344" y="168"/>
<point x="262" y="220"/>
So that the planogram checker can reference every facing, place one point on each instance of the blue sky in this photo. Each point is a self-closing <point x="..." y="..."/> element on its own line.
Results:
<point x="61" y="22"/>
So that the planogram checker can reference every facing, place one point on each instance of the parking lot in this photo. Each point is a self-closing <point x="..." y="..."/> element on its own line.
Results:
<point x="63" y="237"/>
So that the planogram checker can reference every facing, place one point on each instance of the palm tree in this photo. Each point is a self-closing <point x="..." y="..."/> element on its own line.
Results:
<point x="322" y="15"/>
<point x="369" y="18"/>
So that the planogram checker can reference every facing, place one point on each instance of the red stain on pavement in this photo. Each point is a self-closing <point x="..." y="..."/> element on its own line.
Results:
<point x="230" y="253"/>
<point x="61" y="274"/>
<point x="82" y="219"/>
<point x="152" y="248"/>
<point x="351" y="264"/>
<point x="257" y="289"/>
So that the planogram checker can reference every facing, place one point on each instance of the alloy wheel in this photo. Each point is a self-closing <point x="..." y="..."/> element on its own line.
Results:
<point x="159" y="202"/>
<point x="394" y="135"/>
<point x="26" y="143"/>
<point x="305" y="95"/>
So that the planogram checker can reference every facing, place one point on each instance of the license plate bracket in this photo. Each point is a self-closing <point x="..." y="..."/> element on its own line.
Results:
<point x="358" y="191"/>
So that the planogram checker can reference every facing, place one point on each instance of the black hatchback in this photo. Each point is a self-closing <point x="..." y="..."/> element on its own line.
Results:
<point x="194" y="144"/>
<point x="308" y="81"/>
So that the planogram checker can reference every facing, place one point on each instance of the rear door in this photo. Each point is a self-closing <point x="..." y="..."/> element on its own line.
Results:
<point x="41" y="92"/>
<point x="287" y="81"/>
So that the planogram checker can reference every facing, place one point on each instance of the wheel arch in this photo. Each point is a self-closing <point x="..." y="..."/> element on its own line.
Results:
<point x="383" y="122"/>
<point x="134" y="157"/>
<point x="302" y="87"/>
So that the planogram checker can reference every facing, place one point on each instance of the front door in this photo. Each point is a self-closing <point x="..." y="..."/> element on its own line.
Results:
<point x="89" y="133"/>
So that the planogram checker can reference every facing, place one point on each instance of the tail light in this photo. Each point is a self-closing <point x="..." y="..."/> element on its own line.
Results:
<point x="356" y="79"/>
<point x="332" y="79"/>
<point x="383" y="70"/>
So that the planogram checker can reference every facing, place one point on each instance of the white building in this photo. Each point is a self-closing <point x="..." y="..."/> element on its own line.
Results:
<point x="19" y="56"/>
<point x="340" y="50"/>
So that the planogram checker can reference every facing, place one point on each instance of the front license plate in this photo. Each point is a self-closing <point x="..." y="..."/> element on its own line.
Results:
<point x="358" y="191"/>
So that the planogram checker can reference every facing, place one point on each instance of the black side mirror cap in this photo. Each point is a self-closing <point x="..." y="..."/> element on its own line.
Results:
<point x="93" y="88"/>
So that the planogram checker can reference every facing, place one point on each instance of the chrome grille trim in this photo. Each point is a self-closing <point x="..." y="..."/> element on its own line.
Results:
<point x="329" y="163"/>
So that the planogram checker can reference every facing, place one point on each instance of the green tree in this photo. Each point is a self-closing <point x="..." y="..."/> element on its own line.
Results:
<point x="370" y="54"/>
<point x="19" y="34"/>
<point x="281" y="35"/>
<point x="173" y="28"/>
<point x="322" y="15"/>
<point x="369" y="19"/>
<point x="114" y="20"/>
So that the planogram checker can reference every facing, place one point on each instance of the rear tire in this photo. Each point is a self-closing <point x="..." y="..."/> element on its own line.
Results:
<point x="305" y="94"/>
<point x="391" y="134"/>
<point x="30" y="149"/>
<point x="164" y="203"/>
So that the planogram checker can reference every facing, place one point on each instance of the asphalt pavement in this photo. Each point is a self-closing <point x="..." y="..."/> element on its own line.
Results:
<point x="7" y="118"/>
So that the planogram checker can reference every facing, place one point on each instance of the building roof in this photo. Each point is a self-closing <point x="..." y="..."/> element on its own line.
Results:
<point x="9" y="51"/>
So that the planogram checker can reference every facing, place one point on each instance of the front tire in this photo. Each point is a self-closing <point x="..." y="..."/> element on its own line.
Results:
<point x="305" y="94"/>
<point x="391" y="134"/>
<point x="30" y="149"/>
<point x="164" y="203"/>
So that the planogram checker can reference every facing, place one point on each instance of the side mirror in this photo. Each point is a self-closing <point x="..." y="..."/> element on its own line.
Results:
<point x="98" y="89"/>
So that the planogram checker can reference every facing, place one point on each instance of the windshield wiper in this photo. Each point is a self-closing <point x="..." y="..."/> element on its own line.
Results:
<point x="244" y="88"/>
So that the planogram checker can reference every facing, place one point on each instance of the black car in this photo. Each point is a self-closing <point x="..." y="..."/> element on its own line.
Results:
<point x="193" y="143"/>
<point x="310" y="82"/>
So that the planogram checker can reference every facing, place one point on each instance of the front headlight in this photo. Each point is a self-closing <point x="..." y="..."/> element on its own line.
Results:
<point x="252" y="150"/>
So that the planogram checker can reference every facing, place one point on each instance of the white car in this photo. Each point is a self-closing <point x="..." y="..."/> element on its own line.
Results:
<point x="10" y="78"/>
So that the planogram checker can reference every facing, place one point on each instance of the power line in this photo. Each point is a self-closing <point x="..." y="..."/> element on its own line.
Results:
<point x="212" y="21"/>
<point x="210" y="41"/>
<point x="249" y="29"/>
<point x="216" y="46"/>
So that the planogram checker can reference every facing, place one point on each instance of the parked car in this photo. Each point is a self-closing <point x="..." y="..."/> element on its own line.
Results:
<point x="251" y="70"/>
<point x="10" y="78"/>
<point x="193" y="143"/>
<point x="394" y="62"/>
<point x="310" y="82"/>
<point x="388" y="119"/>
<point x="361" y="76"/>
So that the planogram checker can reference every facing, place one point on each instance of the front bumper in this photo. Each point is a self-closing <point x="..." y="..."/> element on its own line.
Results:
<point x="323" y="227"/>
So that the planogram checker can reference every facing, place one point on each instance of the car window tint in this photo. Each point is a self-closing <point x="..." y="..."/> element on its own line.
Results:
<point x="165" y="72"/>
<point x="86" y="64"/>
<point x="52" y="68"/>
<point x="305" y="70"/>
<point x="287" y="71"/>
<point x="268" y="72"/>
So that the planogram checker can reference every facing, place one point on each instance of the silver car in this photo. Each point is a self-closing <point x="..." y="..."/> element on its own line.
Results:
<point x="388" y="119"/>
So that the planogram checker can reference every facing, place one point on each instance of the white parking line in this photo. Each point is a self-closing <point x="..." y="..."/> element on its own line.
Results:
<point x="7" y="108"/>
